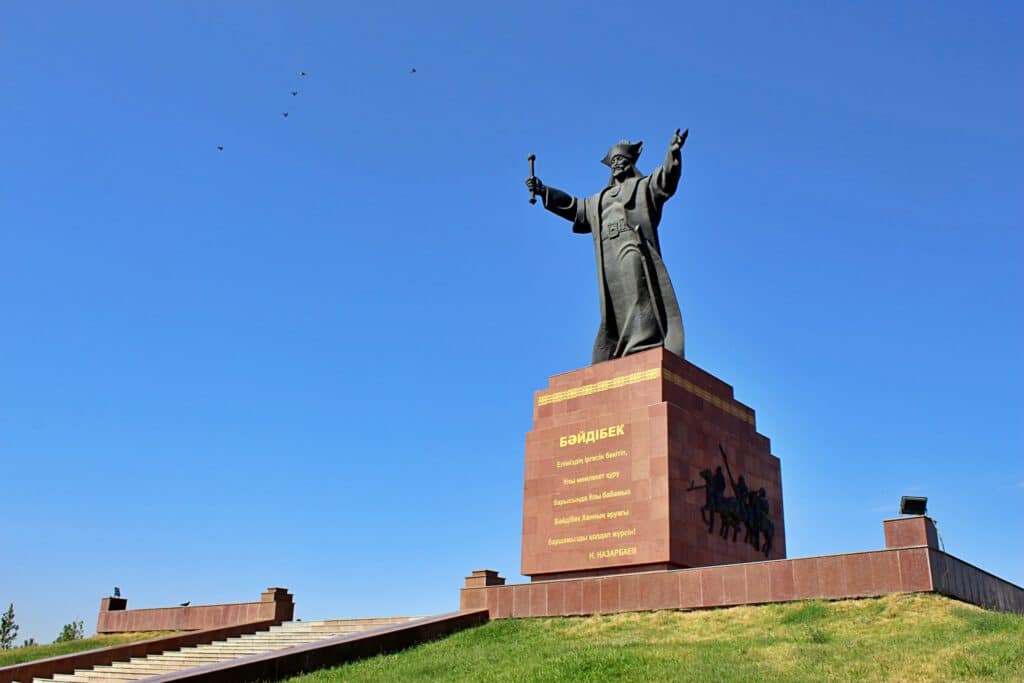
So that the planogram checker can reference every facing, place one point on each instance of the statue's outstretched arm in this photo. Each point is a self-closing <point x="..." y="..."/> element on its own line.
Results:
<point x="557" y="202"/>
<point x="665" y="180"/>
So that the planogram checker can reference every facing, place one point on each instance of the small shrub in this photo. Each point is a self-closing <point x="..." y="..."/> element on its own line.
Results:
<point x="73" y="631"/>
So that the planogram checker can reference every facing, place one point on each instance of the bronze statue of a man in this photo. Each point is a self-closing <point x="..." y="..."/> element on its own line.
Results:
<point x="638" y="305"/>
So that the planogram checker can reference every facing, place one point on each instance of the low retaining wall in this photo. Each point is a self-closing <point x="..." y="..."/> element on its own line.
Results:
<point x="953" y="577"/>
<point x="272" y="666"/>
<point x="916" y="567"/>
<point x="66" y="664"/>
<point x="275" y="605"/>
<point x="855" y="575"/>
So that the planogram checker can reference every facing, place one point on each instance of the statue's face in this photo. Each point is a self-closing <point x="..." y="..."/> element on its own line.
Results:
<point x="621" y="165"/>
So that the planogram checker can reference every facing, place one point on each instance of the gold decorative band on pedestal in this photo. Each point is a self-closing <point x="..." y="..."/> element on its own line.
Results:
<point x="645" y="376"/>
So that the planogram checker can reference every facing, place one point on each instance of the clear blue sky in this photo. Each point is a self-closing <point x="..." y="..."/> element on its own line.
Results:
<point x="308" y="360"/>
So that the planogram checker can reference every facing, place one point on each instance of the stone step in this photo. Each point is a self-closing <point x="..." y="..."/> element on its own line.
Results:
<point x="311" y="633"/>
<point x="247" y="644"/>
<point x="169" y="666"/>
<point x="206" y="652"/>
<point x="174" y="661"/>
<point x="375" y="621"/>
<point x="284" y="632"/>
<point x="111" y="676"/>
<point x="175" y="657"/>
<point x="238" y="644"/>
<point x="143" y="671"/>
<point x="300" y="631"/>
<point x="283" y="635"/>
<point x="192" y="661"/>
<point x="236" y="651"/>
<point x="140" y="671"/>
<point x="306" y="638"/>
<point x="221" y="654"/>
<point x="263" y="644"/>
<point x="93" y="678"/>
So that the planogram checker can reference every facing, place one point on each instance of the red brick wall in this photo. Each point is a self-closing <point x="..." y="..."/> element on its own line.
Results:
<point x="275" y="605"/>
<point x="830" y="577"/>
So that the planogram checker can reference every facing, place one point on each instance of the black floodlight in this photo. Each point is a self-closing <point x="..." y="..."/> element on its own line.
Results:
<point x="913" y="505"/>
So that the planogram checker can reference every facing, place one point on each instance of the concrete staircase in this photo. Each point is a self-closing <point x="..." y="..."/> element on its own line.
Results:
<point x="288" y="634"/>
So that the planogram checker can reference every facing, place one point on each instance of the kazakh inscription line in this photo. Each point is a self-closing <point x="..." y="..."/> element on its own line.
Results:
<point x="591" y="497"/>
<point x="597" y="536"/>
<point x="591" y="517"/>
<point x="587" y="459"/>
<point x="614" y="474"/>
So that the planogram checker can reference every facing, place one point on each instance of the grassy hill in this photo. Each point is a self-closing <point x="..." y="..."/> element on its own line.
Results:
<point x="20" y="655"/>
<point x="895" y="638"/>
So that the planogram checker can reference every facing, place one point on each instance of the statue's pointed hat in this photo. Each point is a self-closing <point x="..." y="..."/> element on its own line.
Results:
<point x="626" y="149"/>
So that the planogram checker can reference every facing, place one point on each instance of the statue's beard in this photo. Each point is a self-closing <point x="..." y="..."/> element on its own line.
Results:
<point x="620" y="174"/>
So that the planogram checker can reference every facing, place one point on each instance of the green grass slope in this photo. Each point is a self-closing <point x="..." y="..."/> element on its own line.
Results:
<point x="20" y="655"/>
<point x="894" y="638"/>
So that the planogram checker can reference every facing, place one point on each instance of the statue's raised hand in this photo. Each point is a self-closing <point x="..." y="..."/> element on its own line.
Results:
<point x="678" y="140"/>
<point x="534" y="185"/>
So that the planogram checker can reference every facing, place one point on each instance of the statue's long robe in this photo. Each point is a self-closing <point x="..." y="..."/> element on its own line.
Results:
<point x="642" y="199"/>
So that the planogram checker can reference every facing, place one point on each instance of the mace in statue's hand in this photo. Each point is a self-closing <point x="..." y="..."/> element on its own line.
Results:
<point x="534" y="185"/>
<point x="678" y="140"/>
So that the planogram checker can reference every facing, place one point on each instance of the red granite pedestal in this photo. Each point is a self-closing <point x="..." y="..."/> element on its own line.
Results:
<point x="613" y="462"/>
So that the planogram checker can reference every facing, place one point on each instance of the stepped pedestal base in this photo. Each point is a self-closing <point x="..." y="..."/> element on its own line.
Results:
<point x="614" y="468"/>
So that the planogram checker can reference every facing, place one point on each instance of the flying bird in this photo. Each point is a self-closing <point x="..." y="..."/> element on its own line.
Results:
<point x="186" y="603"/>
<point x="303" y="73"/>
<point x="294" y="93"/>
<point x="284" y="114"/>
<point x="220" y="148"/>
<point x="412" y="70"/>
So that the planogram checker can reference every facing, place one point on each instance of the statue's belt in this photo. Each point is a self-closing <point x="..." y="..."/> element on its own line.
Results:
<point x="610" y="231"/>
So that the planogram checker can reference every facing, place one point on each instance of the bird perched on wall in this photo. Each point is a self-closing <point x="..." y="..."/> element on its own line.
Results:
<point x="117" y="591"/>
<point x="186" y="603"/>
